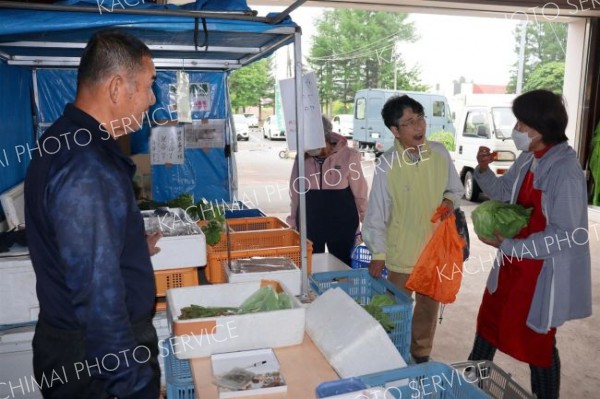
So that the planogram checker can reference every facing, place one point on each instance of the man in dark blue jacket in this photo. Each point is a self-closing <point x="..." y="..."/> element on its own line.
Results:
<point x="95" y="283"/>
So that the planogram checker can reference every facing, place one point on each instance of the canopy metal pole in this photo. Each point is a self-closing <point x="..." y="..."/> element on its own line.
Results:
<point x="300" y="163"/>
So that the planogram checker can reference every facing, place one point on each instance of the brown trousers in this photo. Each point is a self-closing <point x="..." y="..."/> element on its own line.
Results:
<point x="425" y="316"/>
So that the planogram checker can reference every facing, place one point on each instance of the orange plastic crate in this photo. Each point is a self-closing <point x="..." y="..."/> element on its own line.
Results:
<point x="256" y="223"/>
<point x="246" y="244"/>
<point x="175" y="278"/>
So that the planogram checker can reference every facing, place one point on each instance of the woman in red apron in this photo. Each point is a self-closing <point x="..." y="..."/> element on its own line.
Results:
<point x="535" y="276"/>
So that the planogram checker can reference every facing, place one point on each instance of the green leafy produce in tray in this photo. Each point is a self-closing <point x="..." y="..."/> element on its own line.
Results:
<point x="375" y="309"/>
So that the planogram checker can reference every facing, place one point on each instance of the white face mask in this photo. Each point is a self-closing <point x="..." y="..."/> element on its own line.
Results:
<point x="521" y="139"/>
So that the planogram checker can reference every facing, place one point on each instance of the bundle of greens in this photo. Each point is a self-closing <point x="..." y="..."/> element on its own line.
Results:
<point x="212" y="232"/>
<point x="375" y="309"/>
<point x="263" y="300"/>
<point x="506" y="219"/>
<point x="196" y="312"/>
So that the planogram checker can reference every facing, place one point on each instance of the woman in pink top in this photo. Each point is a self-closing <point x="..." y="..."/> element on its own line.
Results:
<point x="336" y="195"/>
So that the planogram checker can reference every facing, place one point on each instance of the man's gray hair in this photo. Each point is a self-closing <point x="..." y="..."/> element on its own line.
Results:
<point x="107" y="52"/>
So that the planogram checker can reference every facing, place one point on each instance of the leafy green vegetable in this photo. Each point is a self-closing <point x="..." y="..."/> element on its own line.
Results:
<point x="212" y="232"/>
<point x="375" y="309"/>
<point x="262" y="300"/>
<point x="196" y="312"/>
<point x="507" y="219"/>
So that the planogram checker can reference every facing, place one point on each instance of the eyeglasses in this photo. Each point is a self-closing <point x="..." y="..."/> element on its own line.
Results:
<point x="412" y="122"/>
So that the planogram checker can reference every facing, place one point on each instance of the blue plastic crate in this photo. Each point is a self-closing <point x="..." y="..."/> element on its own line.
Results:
<point x="178" y="376"/>
<point x="243" y="213"/>
<point x="362" y="287"/>
<point x="339" y="387"/>
<point x="424" y="381"/>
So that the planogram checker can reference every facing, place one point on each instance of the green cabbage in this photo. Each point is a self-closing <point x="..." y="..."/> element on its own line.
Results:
<point x="507" y="219"/>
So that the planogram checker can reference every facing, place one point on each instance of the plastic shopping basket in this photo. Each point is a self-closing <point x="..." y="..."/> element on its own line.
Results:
<point x="494" y="381"/>
<point x="422" y="381"/>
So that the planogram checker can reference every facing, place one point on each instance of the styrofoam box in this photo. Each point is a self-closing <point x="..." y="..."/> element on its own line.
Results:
<point x="290" y="278"/>
<point x="206" y="336"/>
<point x="17" y="291"/>
<point x="16" y="364"/>
<point x="179" y="251"/>
<point x="351" y="340"/>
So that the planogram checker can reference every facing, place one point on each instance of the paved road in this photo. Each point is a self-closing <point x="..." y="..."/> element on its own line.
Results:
<point x="263" y="177"/>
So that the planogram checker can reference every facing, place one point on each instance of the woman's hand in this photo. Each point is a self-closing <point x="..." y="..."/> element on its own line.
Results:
<point x="494" y="242"/>
<point x="484" y="158"/>
<point x="449" y="205"/>
<point x="151" y="240"/>
<point x="376" y="267"/>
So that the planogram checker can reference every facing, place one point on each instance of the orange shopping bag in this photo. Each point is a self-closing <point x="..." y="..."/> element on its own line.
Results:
<point x="438" y="272"/>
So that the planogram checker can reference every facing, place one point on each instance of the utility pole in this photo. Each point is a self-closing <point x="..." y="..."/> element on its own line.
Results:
<point x="521" y="57"/>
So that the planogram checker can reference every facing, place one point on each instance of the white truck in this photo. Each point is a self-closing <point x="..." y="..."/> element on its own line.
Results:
<point x="489" y="126"/>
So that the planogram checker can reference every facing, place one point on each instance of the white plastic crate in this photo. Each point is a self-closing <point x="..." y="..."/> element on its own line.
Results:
<point x="206" y="336"/>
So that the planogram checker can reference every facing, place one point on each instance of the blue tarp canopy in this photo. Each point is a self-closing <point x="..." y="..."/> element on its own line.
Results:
<point x="179" y="37"/>
<point x="208" y="38"/>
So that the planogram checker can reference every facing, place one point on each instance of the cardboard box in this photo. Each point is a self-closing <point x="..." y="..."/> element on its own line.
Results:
<point x="206" y="336"/>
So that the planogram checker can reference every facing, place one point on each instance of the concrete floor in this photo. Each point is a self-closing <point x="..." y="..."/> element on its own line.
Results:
<point x="578" y="341"/>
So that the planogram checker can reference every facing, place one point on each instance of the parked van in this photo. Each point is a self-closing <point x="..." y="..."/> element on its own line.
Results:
<point x="371" y="134"/>
<point x="489" y="126"/>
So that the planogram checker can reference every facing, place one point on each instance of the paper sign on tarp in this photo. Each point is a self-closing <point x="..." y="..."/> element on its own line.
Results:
<point x="166" y="145"/>
<point x="311" y="109"/>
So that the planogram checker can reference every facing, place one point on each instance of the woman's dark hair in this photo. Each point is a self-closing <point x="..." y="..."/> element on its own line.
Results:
<point x="393" y="109"/>
<point x="108" y="51"/>
<point x="545" y="112"/>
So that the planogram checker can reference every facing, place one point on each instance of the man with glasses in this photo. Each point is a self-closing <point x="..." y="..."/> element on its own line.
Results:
<point x="413" y="179"/>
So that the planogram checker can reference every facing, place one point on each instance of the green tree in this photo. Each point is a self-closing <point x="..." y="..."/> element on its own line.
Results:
<point x="356" y="49"/>
<point x="548" y="76"/>
<point x="250" y="84"/>
<point x="545" y="42"/>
